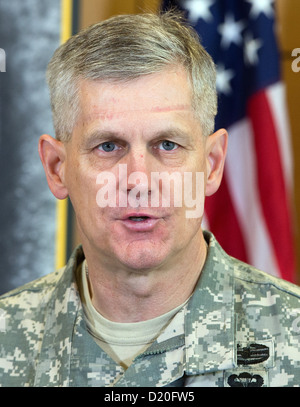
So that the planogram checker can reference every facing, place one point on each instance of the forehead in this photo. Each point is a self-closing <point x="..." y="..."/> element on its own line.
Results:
<point x="161" y="92"/>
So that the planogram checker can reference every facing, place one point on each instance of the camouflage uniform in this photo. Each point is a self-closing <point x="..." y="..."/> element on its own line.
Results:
<point x="241" y="327"/>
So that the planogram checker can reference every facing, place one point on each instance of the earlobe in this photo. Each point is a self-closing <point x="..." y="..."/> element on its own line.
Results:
<point x="52" y="155"/>
<point x="216" y="148"/>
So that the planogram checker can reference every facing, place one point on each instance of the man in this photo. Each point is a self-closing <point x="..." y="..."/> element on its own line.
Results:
<point x="149" y="299"/>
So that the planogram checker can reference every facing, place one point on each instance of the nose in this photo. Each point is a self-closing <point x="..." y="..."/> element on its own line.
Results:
<point x="137" y="157"/>
<point x="136" y="180"/>
<point x="138" y="167"/>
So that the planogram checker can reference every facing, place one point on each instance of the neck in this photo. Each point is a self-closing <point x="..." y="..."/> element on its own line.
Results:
<point x="124" y="295"/>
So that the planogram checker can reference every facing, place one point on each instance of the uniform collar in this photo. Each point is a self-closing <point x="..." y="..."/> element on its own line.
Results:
<point x="209" y="317"/>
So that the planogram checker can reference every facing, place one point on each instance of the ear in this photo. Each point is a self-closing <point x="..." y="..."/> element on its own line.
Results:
<point x="52" y="154"/>
<point x="216" y="148"/>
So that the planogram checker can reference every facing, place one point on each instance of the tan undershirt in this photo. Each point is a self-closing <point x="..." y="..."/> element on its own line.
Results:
<point x="121" y="341"/>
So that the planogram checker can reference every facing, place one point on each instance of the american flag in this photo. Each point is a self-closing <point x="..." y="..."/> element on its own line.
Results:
<point x="250" y="214"/>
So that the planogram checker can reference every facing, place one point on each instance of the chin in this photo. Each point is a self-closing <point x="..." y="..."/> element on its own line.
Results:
<point x="143" y="262"/>
<point x="143" y="258"/>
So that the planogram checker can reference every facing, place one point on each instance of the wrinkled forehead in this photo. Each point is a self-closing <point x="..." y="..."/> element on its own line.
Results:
<point x="150" y="105"/>
<point x="159" y="92"/>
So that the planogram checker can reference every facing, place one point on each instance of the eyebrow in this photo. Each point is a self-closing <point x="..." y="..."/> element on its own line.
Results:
<point x="173" y="133"/>
<point x="99" y="136"/>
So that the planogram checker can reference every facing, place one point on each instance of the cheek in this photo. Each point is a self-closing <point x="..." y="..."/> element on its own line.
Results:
<point x="82" y="187"/>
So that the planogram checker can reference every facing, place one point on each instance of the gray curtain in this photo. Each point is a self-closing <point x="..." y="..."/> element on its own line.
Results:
<point x="29" y="34"/>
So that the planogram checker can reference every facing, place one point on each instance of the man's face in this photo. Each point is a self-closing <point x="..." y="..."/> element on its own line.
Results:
<point x="141" y="126"/>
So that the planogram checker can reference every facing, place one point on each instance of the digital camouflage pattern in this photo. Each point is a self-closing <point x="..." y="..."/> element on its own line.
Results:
<point x="240" y="328"/>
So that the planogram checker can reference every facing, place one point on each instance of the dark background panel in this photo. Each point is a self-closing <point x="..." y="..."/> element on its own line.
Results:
<point x="29" y="34"/>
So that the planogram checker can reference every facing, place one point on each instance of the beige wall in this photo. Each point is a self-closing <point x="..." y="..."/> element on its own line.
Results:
<point x="289" y="34"/>
<point x="95" y="10"/>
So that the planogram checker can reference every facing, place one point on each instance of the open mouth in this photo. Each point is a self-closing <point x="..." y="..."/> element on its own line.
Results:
<point x="138" y="218"/>
<point x="140" y="222"/>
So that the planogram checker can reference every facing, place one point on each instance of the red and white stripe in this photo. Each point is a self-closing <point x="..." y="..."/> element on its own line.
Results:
<point x="251" y="215"/>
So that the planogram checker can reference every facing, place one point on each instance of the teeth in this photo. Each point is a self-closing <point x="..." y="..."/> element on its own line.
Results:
<point x="138" y="218"/>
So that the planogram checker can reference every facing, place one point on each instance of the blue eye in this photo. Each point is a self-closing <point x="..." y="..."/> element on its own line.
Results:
<point x="108" y="146"/>
<point x="167" y="145"/>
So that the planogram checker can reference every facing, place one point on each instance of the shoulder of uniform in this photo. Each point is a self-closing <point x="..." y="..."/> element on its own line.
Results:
<point x="46" y="284"/>
<point x="30" y="292"/>
<point x="249" y="275"/>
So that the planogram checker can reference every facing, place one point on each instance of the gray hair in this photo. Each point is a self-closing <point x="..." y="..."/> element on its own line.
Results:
<point x="123" y="48"/>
